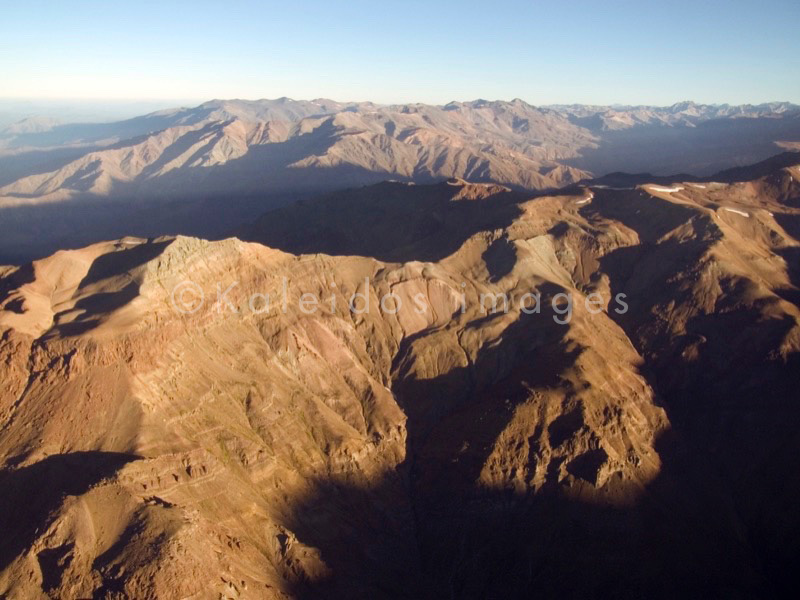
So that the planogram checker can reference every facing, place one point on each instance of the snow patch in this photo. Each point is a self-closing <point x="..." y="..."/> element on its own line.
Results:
<point x="495" y="343"/>
<point x="669" y="190"/>
<point x="738" y="212"/>
<point x="584" y="201"/>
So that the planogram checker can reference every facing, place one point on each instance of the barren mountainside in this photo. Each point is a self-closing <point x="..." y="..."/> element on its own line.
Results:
<point x="327" y="142"/>
<point x="205" y="170"/>
<point x="454" y="442"/>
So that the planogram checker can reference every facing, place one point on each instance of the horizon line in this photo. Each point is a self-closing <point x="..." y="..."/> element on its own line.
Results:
<point x="199" y="101"/>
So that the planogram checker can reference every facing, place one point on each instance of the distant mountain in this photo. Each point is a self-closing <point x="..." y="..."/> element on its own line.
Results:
<point x="286" y="145"/>
<point x="335" y="144"/>
<point x="226" y="161"/>
<point x="30" y="125"/>
<point x="687" y="114"/>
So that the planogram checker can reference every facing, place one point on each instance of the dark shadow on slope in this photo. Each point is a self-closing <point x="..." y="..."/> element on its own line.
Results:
<point x="790" y="224"/>
<point x="792" y="257"/>
<point x="481" y="543"/>
<point x="83" y="179"/>
<point x="500" y="258"/>
<point x="648" y="216"/>
<point x="265" y="169"/>
<point x="115" y="263"/>
<point x="386" y="527"/>
<point x="85" y="133"/>
<point x="23" y="275"/>
<point x="35" y="162"/>
<point x="184" y="144"/>
<point x="685" y="537"/>
<point x="626" y="180"/>
<point x="393" y="222"/>
<point x="203" y="201"/>
<point x="764" y="168"/>
<point x="31" y="495"/>
<point x="366" y="534"/>
<point x="730" y="395"/>
<point x="719" y="521"/>
<point x="32" y="232"/>
<point x="95" y="306"/>
<point x="678" y="540"/>
<point x="53" y="562"/>
<point x="702" y="150"/>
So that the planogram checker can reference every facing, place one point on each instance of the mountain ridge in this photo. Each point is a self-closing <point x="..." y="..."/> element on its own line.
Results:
<point x="454" y="452"/>
<point x="234" y="159"/>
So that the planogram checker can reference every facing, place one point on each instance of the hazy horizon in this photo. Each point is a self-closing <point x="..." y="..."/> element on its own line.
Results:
<point x="345" y="100"/>
<point x="86" y="110"/>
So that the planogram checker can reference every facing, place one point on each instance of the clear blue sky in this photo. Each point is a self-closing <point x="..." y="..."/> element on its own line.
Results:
<point x="613" y="51"/>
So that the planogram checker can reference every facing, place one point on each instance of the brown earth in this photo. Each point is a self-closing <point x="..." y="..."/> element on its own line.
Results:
<point x="433" y="453"/>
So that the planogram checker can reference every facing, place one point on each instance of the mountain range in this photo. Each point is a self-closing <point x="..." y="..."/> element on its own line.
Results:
<point x="234" y="159"/>
<point x="646" y="446"/>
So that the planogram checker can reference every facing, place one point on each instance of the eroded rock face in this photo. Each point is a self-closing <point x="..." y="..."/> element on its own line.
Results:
<point x="447" y="447"/>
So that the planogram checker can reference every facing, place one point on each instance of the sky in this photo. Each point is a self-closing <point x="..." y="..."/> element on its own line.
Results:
<point x="614" y="51"/>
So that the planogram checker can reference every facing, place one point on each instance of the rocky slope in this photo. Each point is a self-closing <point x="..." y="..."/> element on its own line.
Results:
<point x="444" y="447"/>
<point x="326" y="143"/>
<point x="233" y="159"/>
<point x="179" y="152"/>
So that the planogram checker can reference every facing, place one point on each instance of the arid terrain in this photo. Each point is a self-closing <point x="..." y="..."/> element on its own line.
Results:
<point x="205" y="170"/>
<point x="634" y="434"/>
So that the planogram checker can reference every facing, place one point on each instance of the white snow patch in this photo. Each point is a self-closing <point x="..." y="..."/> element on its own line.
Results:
<point x="697" y="185"/>
<point x="584" y="201"/>
<point x="738" y="212"/>
<point x="495" y="343"/>
<point x="669" y="190"/>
